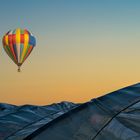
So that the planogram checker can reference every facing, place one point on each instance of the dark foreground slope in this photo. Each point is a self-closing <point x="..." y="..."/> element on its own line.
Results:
<point x="17" y="122"/>
<point x="115" y="116"/>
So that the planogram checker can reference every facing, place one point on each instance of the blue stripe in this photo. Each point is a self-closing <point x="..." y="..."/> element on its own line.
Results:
<point x="32" y="40"/>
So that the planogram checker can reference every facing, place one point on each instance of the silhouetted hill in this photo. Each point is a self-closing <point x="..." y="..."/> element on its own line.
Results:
<point x="20" y="119"/>
<point x="115" y="116"/>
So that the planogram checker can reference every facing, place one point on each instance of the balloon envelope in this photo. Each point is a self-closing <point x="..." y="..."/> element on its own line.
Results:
<point x="18" y="44"/>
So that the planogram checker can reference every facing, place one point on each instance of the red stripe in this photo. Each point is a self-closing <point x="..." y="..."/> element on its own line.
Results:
<point x="10" y="41"/>
<point x="22" y="38"/>
<point x="14" y="38"/>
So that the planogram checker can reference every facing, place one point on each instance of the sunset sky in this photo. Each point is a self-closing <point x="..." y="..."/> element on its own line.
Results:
<point x="85" y="49"/>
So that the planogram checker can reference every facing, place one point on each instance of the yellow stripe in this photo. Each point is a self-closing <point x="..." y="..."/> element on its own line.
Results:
<point x="26" y="41"/>
<point x="18" y="36"/>
<point x="18" y="43"/>
<point x="6" y="40"/>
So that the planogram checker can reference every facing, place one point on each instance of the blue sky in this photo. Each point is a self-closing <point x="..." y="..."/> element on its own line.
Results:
<point x="85" y="48"/>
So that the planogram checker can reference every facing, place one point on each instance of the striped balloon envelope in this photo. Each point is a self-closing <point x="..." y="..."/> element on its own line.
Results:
<point x="18" y="44"/>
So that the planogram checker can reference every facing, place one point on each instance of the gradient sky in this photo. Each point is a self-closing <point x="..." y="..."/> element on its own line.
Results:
<point x="85" y="49"/>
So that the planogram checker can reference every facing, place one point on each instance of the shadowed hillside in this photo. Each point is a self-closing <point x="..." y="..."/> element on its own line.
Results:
<point x="115" y="116"/>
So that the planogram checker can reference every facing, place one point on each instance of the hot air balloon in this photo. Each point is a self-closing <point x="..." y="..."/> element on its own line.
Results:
<point x="18" y="44"/>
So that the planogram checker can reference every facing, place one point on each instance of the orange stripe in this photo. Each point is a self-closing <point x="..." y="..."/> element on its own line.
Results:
<point x="3" y="41"/>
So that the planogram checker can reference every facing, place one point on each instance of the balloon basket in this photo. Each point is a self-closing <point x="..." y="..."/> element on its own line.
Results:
<point x="19" y="69"/>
